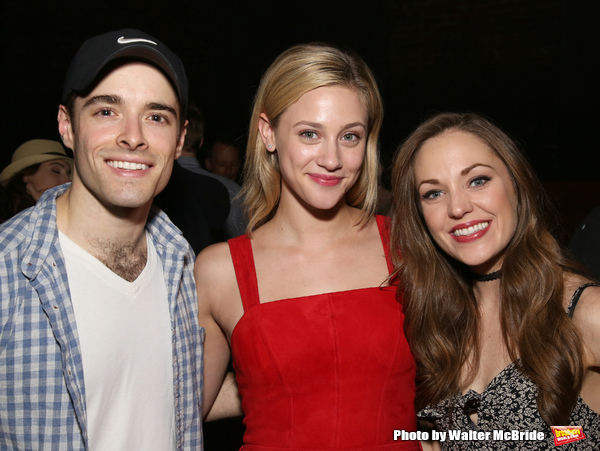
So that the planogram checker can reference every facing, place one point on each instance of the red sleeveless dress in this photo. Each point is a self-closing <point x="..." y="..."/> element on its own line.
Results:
<point x="325" y="372"/>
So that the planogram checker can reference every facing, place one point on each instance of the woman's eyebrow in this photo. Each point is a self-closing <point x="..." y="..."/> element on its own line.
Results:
<point x="465" y="171"/>
<point x="429" y="181"/>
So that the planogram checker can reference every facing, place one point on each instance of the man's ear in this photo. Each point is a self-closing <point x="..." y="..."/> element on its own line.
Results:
<point x="65" y="127"/>
<point x="181" y="141"/>
<point x="267" y="133"/>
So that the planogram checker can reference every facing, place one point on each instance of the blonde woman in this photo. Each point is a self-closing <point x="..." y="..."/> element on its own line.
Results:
<point x="302" y="299"/>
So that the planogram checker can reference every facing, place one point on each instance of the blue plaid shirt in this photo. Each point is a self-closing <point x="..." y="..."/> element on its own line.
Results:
<point x="42" y="394"/>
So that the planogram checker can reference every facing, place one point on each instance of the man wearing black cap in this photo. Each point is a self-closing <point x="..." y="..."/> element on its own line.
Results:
<point x="100" y="346"/>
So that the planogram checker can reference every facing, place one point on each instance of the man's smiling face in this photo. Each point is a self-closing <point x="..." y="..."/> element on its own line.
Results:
<point x="125" y="137"/>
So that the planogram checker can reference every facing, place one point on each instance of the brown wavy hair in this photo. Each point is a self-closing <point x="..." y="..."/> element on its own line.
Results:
<point x="298" y="70"/>
<point x="442" y="320"/>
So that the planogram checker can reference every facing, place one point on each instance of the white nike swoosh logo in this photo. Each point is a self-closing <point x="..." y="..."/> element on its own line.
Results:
<point x="124" y="40"/>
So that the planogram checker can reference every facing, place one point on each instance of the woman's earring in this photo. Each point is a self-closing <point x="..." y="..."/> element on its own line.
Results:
<point x="269" y="146"/>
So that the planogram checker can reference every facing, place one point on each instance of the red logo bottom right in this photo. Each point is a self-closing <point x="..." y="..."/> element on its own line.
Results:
<point x="567" y="434"/>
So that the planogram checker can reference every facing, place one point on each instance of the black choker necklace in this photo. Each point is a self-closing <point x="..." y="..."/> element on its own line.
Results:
<point x="487" y="277"/>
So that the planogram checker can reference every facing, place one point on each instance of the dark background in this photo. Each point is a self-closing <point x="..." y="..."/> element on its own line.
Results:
<point x="527" y="64"/>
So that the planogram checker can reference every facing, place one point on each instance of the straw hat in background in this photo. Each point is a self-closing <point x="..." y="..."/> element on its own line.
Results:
<point x="33" y="152"/>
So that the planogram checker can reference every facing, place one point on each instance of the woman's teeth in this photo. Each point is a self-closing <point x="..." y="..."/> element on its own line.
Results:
<point x="471" y="230"/>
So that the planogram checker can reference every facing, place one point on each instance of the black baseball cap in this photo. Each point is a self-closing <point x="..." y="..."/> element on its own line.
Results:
<point x="97" y="52"/>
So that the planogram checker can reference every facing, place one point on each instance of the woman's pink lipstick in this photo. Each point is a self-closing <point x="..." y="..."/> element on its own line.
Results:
<point x="470" y="231"/>
<point x="325" y="180"/>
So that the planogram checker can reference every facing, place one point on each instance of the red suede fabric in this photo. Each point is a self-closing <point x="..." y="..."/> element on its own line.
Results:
<point x="331" y="371"/>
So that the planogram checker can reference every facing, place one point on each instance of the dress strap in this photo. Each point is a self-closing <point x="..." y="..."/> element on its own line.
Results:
<point x="383" y="223"/>
<point x="576" y="295"/>
<point x="245" y="271"/>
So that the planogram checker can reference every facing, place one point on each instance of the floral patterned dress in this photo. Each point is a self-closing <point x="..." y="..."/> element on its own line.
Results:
<point x="507" y="415"/>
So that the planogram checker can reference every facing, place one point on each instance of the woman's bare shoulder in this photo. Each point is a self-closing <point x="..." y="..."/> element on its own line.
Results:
<point x="214" y="266"/>
<point x="216" y="253"/>
<point x="587" y="309"/>
<point x="216" y="284"/>
<point x="572" y="282"/>
<point x="586" y="315"/>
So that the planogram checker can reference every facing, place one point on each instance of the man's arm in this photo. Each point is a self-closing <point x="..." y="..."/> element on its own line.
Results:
<point x="228" y="402"/>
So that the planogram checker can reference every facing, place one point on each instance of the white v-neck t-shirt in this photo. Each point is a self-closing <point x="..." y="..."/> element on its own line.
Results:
<point x="124" y="331"/>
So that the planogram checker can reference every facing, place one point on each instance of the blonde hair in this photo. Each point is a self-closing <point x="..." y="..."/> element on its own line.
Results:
<point x="295" y="72"/>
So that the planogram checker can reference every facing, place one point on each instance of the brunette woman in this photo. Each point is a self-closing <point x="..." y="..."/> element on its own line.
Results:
<point x="505" y="331"/>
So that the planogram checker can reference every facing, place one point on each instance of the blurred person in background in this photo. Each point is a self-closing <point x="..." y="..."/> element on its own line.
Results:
<point x="36" y="165"/>
<point x="224" y="158"/>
